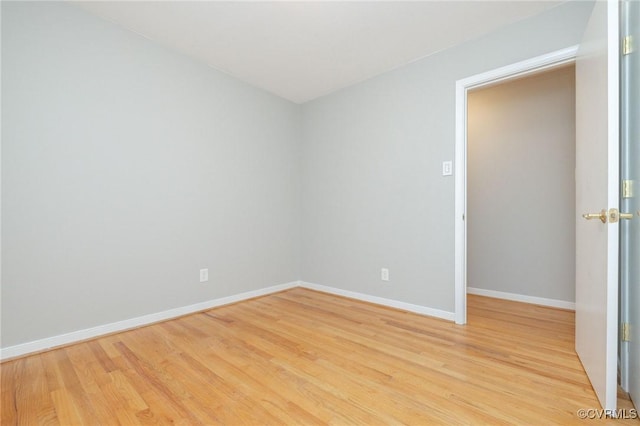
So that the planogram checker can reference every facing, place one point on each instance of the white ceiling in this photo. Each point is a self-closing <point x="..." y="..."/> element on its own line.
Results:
<point x="306" y="49"/>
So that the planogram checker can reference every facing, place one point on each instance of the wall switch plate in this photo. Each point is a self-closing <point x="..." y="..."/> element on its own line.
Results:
<point x="447" y="168"/>
<point x="384" y="274"/>
<point x="204" y="275"/>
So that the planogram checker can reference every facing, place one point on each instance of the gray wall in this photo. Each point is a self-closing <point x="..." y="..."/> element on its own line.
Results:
<point x="125" y="169"/>
<point x="521" y="186"/>
<point x="371" y="167"/>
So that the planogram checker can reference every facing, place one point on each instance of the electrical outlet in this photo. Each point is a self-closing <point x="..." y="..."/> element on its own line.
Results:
<point x="204" y="275"/>
<point x="384" y="274"/>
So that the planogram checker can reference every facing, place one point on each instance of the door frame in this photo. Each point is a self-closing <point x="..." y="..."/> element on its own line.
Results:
<point x="520" y="69"/>
<point x="625" y="140"/>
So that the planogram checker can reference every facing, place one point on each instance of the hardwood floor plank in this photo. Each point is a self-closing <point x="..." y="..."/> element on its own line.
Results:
<point x="66" y="410"/>
<point x="9" y="382"/>
<point x="101" y="355"/>
<point x="302" y="357"/>
<point x="32" y="394"/>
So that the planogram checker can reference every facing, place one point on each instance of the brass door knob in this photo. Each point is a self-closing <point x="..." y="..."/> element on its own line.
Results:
<point x="602" y="216"/>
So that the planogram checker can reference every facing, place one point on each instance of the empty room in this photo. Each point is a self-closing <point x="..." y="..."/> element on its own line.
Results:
<point x="256" y="213"/>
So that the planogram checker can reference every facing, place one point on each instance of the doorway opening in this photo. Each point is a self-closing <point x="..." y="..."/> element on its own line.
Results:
<point x="521" y="194"/>
<point x="535" y="65"/>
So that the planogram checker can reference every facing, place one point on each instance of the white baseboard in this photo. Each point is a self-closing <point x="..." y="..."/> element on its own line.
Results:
<point x="89" y="333"/>
<point x="554" y="303"/>
<point x="381" y="301"/>
<point x="101" y="330"/>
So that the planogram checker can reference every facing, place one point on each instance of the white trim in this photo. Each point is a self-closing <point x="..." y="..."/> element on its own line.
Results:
<point x="460" y="167"/>
<point x="519" y="69"/>
<point x="89" y="333"/>
<point x="554" y="303"/>
<point x="423" y="310"/>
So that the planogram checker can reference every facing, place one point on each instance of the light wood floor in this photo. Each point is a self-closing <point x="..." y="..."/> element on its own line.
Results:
<point x="301" y="357"/>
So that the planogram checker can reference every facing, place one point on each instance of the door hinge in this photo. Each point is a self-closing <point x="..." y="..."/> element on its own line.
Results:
<point x="625" y="332"/>
<point x="627" y="188"/>
<point x="627" y="45"/>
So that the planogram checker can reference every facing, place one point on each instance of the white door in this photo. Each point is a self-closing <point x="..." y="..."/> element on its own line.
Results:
<point x="597" y="190"/>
